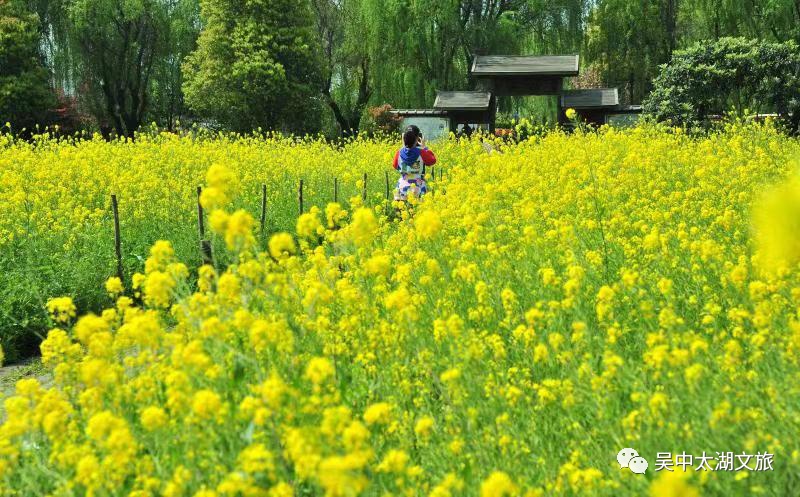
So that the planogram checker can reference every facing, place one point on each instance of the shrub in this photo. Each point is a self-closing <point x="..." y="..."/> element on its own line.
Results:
<point x="711" y="78"/>
<point x="382" y="120"/>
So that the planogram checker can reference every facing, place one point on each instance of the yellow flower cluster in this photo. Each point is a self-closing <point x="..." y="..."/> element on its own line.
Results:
<point x="548" y="304"/>
<point x="55" y="196"/>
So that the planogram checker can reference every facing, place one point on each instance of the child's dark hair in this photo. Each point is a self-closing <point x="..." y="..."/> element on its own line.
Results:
<point x="410" y="136"/>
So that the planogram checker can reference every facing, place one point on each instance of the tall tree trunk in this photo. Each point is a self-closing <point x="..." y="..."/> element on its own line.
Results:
<point x="113" y="111"/>
<point x="631" y="86"/>
<point x="670" y="24"/>
<point x="343" y="122"/>
<point x="350" y="126"/>
<point x="364" y="92"/>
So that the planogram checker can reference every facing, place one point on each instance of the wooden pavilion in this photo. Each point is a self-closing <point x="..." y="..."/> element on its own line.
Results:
<point x="522" y="75"/>
<point x="597" y="106"/>
<point x="473" y="108"/>
<point x="451" y="110"/>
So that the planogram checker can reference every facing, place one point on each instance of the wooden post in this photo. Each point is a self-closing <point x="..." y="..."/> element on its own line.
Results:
<point x="335" y="189"/>
<point x="117" y="240"/>
<point x="205" y="245"/>
<point x="300" y="196"/>
<point x="364" y="189"/>
<point x="560" y="117"/>
<point x="492" y="114"/>
<point x="387" y="184"/>
<point x="263" y="208"/>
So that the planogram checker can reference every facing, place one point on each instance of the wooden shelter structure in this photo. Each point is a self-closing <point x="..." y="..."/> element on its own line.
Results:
<point x="504" y="76"/>
<point x="624" y="115"/>
<point x="522" y="75"/>
<point x="467" y="108"/>
<point x="597" y="106"/>
<point x="591" y="105"/>
<point x="451" y="110"/>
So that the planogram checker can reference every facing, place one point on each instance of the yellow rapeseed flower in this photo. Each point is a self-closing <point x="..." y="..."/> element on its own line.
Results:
<point x="281" y="245"/>
<point x="114" y="286"/>
<point x="319" y="369"/>
<point x="498" y="484"/>
<point x="379" y="413"/>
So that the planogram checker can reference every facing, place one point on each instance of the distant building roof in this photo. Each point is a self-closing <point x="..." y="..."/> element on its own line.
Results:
<point x="589" y="99"/>
<point x="463" y="100"/>
<point x="419" y="112"/>
<point x="525" y="65"/>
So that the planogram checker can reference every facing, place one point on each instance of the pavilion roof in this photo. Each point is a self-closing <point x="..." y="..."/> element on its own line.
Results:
<point x="525" y="65"/>
<point x="590" y="98"/>
<point x="463" y="100"/>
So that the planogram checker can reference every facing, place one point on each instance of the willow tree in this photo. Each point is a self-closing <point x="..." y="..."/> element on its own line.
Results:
<point x="119" y="44"/>
<point x="430" y="44"/>
<point x="775" y="20"/>
<point x="629" y="41"/>
<point x="167" y="104"/>
<point x="346" y="83"/>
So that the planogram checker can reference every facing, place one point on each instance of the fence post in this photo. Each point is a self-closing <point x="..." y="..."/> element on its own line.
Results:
<point x="364" y="189"/>
<point x="300" y="196"/>
<point x="263" y="207"/>
<point x="205" y="245"/>
<point x="117" y="238"/>
<point x="387" y="184"/>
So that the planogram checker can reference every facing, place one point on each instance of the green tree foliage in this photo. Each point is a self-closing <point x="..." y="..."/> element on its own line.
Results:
<point x="289" y="65"/>
<point x="25" y="92"/>
<point x="403" y="52"/>
<point x="629" y="40"/>
<point x="256" y="65"/>
<point x="428" y="45"/>
<point x="776" y="20"/>
<point x="119" y="44"/>
<point x="121" y="59"/>
<point x="731" y="73"/>
<point x="346" y="60"/>
<point x="167" y="104"/>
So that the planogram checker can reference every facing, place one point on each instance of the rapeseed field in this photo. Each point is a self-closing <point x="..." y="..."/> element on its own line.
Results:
<point x="548" y="304"/>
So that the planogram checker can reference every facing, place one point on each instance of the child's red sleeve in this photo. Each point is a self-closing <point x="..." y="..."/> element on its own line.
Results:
<point x="428" y="157"/>
<point x="396" y="160"/>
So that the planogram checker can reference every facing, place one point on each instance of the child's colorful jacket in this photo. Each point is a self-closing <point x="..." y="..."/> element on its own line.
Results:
<point x="410" y="161"/>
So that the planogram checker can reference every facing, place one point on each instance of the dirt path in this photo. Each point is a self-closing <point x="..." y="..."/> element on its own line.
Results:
<point x="29" y="368"/>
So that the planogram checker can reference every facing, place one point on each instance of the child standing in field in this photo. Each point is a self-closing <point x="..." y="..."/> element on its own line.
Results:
<point x="411" y="161"/>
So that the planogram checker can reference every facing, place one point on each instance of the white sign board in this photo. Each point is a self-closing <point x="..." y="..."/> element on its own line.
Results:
<point x="432" y="127"/>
